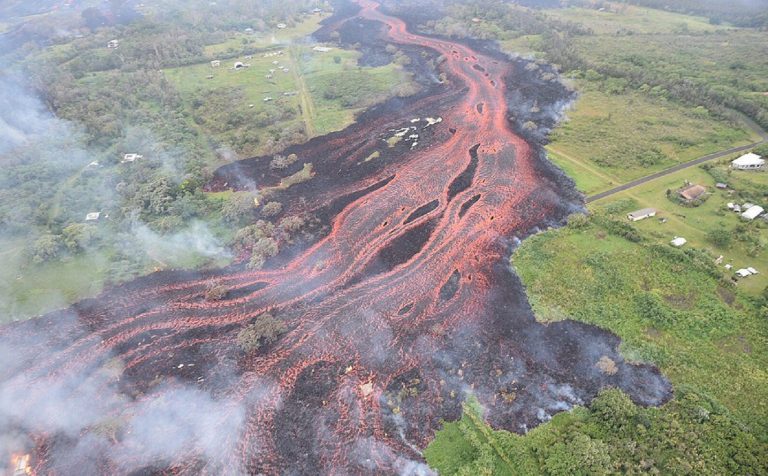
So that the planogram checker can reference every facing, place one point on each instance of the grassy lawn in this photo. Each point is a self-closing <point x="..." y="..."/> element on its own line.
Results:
<point x="29" y="290"/>
<point x="630" y="135"/>
<point x="694" y="223"/>
<point x="622" y="18"/>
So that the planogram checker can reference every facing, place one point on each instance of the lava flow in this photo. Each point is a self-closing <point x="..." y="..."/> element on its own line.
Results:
<point x="402" y="310"/>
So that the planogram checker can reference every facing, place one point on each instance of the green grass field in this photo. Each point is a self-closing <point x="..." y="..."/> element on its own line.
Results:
<point x="623" y="18"/>
<point x="607" y="137"/>
<point x="30" y="290"/>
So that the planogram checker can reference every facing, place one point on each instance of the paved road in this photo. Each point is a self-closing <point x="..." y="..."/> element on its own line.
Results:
<point x="670" y="170"/>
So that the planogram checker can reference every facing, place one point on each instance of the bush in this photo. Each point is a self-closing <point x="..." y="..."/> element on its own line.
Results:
<point x="272" y="209"/>
<point x="263" y="331"/>
<point x="719" y="237"/>
<point x="216" y="292"/>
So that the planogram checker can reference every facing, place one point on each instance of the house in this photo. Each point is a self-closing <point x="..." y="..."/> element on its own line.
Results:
<point x="678" y="241"/>
<point x="749" y="161"/>
<point x="282" y="26"/>
<point x="128" y="158"/>
<point x="321" y="49"/>
<point x="752" y="212"/>
<point x="317" y="10"/>
<point x="239" y="65"/>
<point x="693" y="192"/>
<point x="112" y="44"/>
<point x="642" y="214"/>
<point x="93" y="216"/>
<point x="215" y="63"/>
<point x="721" y="185"/>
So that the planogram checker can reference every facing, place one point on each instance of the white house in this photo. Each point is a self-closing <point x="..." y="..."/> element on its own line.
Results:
<point x="282" y="26"/>
<point x="93" y="216"/>
<point x="752" y="212"/>
<point x="215" y="63"/>
<point x="127" y="158"/>
<point x="749" y="161"/>
<point x="641" y="214"/>
<point x="678" y="241"/>
<point x="112" y="44"/>
<point x="321" y="49"/>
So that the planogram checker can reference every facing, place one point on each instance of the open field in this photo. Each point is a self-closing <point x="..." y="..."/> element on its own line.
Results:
<point x="614" y="138"/>
<point x="618" y="18"/>
<point x="320" y="93"/>
<point x="29" y="290"/>
<point x="239" y="41"/>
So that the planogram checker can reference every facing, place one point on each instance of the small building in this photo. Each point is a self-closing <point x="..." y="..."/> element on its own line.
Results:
<point x="744" y="272"/>
<point x="112" y="44"/>
<point x="678" y="242"/>
<point x="93" y="216"/>
<point x="239" y="65"/>
<point x="641" y="214"/>
<point x="322" y="49"/>
<point x="752" y="212"/>
<point x="282" y="26"/>
<point x="215" y="63"/>
<point x="248" y="30"/>
<point x="694" y="192"/>
<point x="128" y="158"/>
<point x="749" y="161"/>
<point x="721" y="185"/>
<point x="317" y="10"/>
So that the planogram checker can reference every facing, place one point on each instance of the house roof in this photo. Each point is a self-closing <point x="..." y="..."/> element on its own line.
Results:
<point x="749" y="159"/>
<point x="753" y="212"/>
<point x="643" y="212"/>
<point x="693" y="192"/>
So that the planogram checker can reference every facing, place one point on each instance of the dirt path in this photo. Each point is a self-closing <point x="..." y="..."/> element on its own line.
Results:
<point x="307" y="106"/>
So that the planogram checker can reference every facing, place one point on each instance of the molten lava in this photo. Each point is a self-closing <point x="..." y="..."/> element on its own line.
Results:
<point x="403" y="309"/>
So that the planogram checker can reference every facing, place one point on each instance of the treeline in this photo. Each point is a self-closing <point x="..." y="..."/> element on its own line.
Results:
<point x="744" y="13"/>
<point x="612" y="436"/>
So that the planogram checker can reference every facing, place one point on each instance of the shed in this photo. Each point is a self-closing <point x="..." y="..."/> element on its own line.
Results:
<point x="721" y="185"/>
<point x="93" y="216"/>
<point x="678" y="241"/>
<point x="641" y="214"/>
<point x="239" y="65"/>
<point x="215" y="63"/>
<point x="693" y="192"/>
<point x="744" y="272"/>
<point x="752" y="212"/>
<point x="749" y="161"/>
<point x="112" y="44"/>
<point x="127" y="158"/>
<point x="282" y="26"/>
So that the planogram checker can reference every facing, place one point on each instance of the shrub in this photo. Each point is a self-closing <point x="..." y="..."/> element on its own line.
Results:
<point x="271" y="209"/>
<point x="263" y="331"/>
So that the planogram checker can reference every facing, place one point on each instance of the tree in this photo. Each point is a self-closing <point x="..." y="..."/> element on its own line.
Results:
<point x="238" y="207"/>
<point x="216" y="292"/>
<point x="77" y="236"/>
<point x="263" y="331"/>
<point x="46" y="248"/>
<point x="720" y="237"/>
<point x="271" y="209"/>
